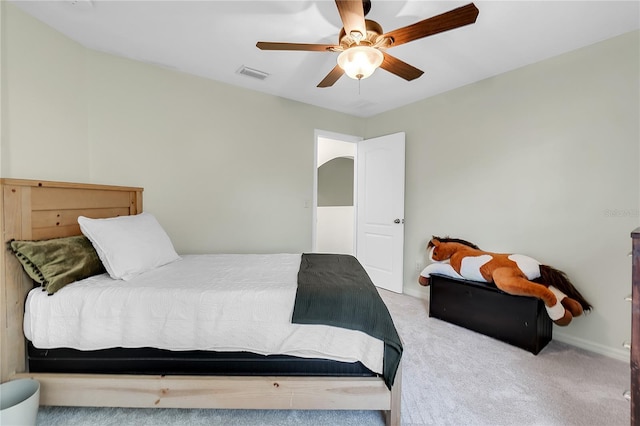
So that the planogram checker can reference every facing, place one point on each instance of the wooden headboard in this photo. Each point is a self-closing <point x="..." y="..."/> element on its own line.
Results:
<point x="38" y="210"/>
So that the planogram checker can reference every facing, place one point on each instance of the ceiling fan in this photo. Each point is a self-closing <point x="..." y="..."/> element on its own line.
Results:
<point x="363" y="44"/>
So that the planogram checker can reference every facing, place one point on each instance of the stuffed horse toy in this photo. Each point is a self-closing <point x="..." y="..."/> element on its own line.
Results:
<point x="512" y="273"/>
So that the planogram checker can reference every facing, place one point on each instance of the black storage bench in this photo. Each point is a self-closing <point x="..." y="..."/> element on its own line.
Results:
<point x="518" y="320"/>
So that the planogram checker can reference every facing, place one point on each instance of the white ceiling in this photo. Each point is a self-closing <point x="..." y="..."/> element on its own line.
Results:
<point x="213" y="39"/>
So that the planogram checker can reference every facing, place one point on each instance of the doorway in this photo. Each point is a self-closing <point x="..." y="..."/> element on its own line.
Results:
<point x="358" y="202"/>
<point x="334" y="192"/>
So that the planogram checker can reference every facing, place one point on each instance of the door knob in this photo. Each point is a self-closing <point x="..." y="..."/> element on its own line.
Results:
<point x="398" y="221"/>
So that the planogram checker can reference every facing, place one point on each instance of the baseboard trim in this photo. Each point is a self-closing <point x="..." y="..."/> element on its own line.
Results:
<point x="620" y="354"/>
<point x="417" y="292"/>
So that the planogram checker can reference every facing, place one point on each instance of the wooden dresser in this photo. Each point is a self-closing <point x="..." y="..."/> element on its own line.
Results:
<point x="635" y="329"/>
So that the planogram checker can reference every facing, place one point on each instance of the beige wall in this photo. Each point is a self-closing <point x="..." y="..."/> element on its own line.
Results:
<point x="542" y="161"/>
<point x="224" y="169"/>
<point x="44" y="101"/>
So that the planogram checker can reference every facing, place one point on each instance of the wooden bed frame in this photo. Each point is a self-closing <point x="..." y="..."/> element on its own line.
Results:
<point x="34" y="210"/>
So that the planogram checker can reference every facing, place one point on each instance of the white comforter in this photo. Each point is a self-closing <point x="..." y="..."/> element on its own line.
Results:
<point x="220" y="302"/>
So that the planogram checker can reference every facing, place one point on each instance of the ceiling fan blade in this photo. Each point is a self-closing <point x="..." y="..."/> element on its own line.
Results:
<point x="266" y="45"/>
<point x="352" y="15"/>
<point x="455" y="18"/>
<point x="332" y="77"/>
<point x="400" y="68"/>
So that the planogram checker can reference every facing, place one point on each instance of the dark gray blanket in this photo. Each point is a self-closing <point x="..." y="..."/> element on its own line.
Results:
<point x="334" y="289"/>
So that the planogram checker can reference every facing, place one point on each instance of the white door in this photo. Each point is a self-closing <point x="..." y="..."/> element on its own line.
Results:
<point x="380" y="209"/>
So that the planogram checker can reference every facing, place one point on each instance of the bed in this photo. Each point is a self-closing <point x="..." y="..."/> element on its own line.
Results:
<point x="39" y="210"/>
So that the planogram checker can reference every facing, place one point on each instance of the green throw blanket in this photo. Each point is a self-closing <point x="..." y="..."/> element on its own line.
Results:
<point x="334" y="289"/>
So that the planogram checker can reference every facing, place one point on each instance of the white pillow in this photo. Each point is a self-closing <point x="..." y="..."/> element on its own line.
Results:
<point x="129" y="245"/>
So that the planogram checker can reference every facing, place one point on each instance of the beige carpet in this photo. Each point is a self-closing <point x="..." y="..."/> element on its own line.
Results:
<point x="451" y="376"/>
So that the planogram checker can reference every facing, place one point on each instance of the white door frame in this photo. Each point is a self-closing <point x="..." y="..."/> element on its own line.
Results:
<point x="314" y="206"/>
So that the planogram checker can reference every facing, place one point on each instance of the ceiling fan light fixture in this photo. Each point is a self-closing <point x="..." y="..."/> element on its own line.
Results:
<point x="360" y="62"/>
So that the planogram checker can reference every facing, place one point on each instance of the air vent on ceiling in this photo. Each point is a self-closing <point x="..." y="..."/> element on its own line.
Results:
<point x="81" y="4"/>
<point x="250" y="72"/>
